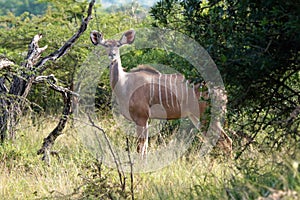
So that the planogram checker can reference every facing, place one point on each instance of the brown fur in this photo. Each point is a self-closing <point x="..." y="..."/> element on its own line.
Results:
<point x="145" y="93"/>
<point x="145" y="68"/>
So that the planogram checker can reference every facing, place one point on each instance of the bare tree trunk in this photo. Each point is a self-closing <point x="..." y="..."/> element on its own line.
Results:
<point x="13" y="100"/>
<point x="14" y="104"/>
<point x="3" y="110"/>
<point x="4" y="100"/>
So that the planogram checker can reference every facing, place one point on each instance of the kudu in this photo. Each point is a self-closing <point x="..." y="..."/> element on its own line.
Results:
<point x="144" y="93"/>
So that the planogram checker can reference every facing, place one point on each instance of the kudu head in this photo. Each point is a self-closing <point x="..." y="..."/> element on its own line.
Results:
<point x="112" y="46"/>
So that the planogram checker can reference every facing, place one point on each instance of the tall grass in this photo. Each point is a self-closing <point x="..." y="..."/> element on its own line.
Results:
<point x="78" y="175"/>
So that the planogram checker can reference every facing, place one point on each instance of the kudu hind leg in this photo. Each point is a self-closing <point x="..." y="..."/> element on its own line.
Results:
<point x="142" y="133"/>
<point x="224" y="141"/>
<point x="198" y="123"/>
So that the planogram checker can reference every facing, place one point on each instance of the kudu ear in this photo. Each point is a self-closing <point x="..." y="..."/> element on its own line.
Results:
<point x="127" y="37"/>
<point x="97" y="38"/>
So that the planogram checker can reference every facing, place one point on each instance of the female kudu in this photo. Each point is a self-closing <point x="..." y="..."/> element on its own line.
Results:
<point x="144" y="93"/>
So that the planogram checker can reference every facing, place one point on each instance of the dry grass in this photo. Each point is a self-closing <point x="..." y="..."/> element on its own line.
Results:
<point x="77" y="175"/>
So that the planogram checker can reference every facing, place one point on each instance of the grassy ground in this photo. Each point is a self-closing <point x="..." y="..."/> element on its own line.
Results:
<point x="78" y="175"/>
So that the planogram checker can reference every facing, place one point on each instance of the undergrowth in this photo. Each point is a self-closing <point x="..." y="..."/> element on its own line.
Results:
<point x="77" y="174"/>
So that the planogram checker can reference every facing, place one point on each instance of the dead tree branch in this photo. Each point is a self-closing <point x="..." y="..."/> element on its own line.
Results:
<point x="57" y="131"/>
<point x="5" y="63"/>
<point x="51" y="80"/>
<point x="63" y="50"/>
<point x="13" y="99"/>
<point x="66" y="93"/>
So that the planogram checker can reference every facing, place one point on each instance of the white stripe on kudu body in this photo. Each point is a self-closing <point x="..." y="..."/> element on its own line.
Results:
<point x="151" y="90"/>
<point x="176" y="88"/>
<point x="172" y="99"/>
<point x="171" y="87"/>
<point x="166" y="92"/>
<point x="145" y="93"/>
<point x="159" y="90"/>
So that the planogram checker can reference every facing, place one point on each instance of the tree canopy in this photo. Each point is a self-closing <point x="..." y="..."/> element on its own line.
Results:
<point x="255" y="44"/>
<point x="19" y="7"/>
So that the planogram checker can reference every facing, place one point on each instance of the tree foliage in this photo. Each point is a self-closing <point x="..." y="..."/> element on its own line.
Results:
<point x="57" y="24"/>
<point x="255" y="44"/>
<point x="19" y="7"/>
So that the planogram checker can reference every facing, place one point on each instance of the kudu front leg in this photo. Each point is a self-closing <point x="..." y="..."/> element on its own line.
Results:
<point x="142" y="133"/>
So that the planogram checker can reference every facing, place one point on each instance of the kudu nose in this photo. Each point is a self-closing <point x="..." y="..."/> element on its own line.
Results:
<point x="112" y="55"/>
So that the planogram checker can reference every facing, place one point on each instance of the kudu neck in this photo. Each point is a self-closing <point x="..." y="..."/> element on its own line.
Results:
<point x="116" y="72"/>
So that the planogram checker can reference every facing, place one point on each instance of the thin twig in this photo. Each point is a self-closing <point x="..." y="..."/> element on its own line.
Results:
<point x="131" y="169"/>
<point x="120" y="172"/>
<point x="51" y="80"/>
